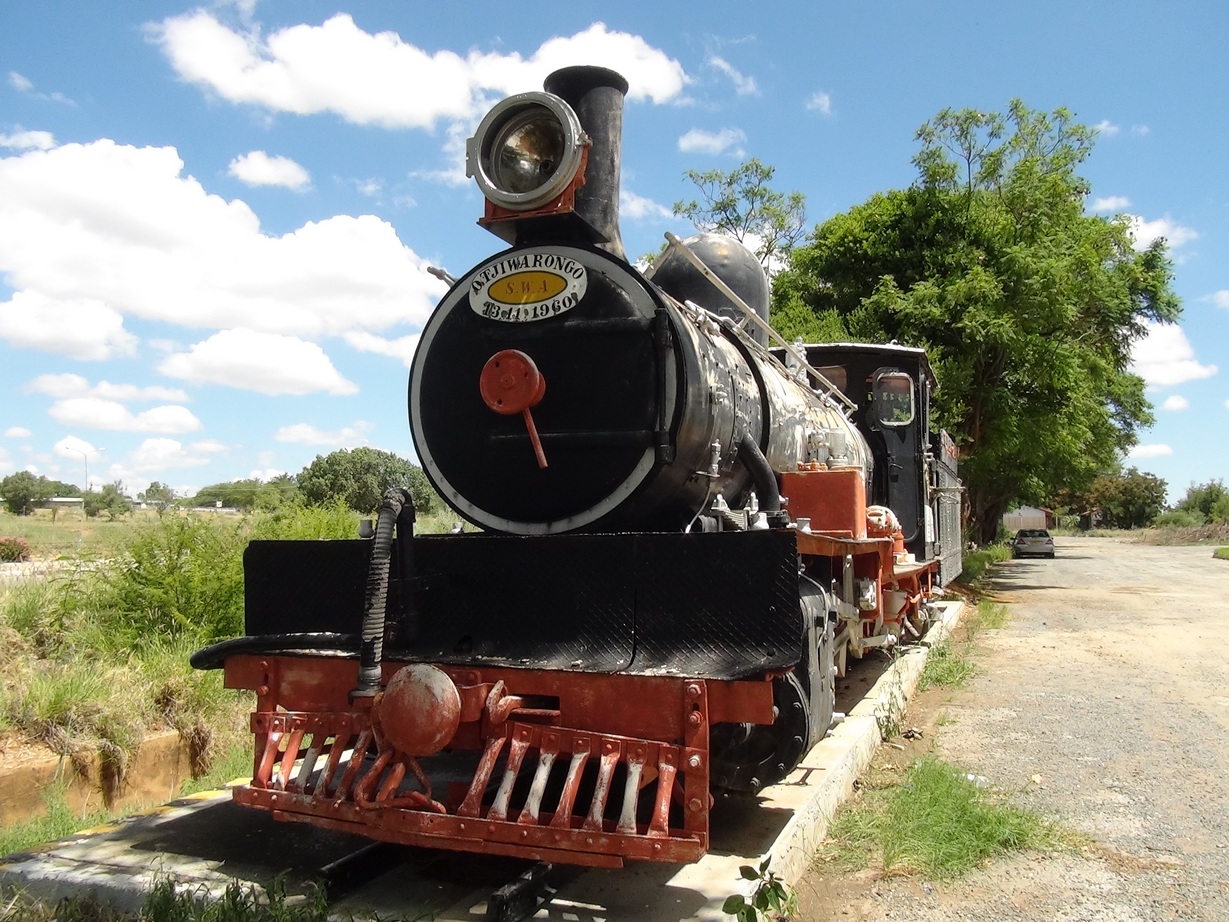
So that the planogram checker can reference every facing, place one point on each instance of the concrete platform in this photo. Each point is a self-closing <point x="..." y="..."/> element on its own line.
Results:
<point x="206" y="843"/>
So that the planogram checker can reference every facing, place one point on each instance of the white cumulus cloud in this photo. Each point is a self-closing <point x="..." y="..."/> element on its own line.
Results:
<point x="1107" y="128"/>
<point x="1165" y="357"/>
<point x="1111" y="204"/>
<point x="78" y="327"/>
<point x="1175" y="402"/>
<point x="257" y="168"/>
<point x="96" y="413"/>
<point x="91" y="233"/>
<point x="727" y="140"/>
<point x="1150" y="451"/>
<point x="639" y="208"/>
<point x="17" y="432"/>
<point x="363" y="77"/>
<point x="1220" y="298"/>
<point x="306" y="434"/>
<point x="28" y="140"/>
<point x="401" y="348"/>
<point x="268" y="363"/>
<point x="161" y="453"/>
<point x="1144" y="232"/>
<point x="70" y="385"/>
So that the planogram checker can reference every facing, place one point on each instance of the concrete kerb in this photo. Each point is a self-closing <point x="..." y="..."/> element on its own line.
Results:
<point x="848" y="750"/>
<point x="832" y="766"/>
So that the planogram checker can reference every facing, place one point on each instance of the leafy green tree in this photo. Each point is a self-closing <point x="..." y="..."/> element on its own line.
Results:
<point x="741" y="203"/>
<point x="1128" y="500"/>
<point x="280" y="492"/>
<point x="22" y="490"/>
<point x="358" y="477"/>
<point x="157" y="494"/>
<point x="1027" y="306"/>
<point x="1210" y="501"/>
<point x="110" y="499"/>
<point x="249" y="494"/>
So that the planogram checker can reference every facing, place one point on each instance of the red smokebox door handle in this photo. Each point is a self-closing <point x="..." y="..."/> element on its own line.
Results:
<point x="510" y="383"/>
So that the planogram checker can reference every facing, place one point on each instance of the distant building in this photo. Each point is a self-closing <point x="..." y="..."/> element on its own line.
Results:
<point x="1028" y="517"/>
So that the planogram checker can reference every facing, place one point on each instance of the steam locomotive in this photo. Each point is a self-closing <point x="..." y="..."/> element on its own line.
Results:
<point x="686" y="533"/>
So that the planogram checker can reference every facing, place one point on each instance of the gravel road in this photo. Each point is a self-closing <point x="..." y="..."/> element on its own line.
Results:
<point x="1108" y="682"/>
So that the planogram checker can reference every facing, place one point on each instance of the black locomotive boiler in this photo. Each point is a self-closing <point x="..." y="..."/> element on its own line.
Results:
<point x="685" y="534"/>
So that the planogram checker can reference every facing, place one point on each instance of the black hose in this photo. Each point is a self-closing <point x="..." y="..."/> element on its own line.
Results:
<point x="371" y="649"/>
<point x="761" y="473"/>
<point x="319" y="642"/>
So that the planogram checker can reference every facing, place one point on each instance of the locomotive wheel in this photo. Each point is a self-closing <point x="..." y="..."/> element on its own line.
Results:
<point x="748" y="757"/>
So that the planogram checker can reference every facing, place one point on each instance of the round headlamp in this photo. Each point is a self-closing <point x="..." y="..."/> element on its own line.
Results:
<point x="526" y="151"/>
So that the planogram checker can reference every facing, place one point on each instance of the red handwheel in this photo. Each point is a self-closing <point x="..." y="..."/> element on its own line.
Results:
<point x="511" y="383"/>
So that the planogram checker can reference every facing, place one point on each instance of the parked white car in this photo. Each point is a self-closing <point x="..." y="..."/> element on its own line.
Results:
<point x="1032" y="542"/>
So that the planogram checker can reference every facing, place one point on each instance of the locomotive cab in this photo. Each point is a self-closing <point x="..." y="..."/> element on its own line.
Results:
<point x="893" y="386"/>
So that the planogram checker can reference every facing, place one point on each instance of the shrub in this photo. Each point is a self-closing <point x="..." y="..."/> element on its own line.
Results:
<point x="1179" y="518"/>
<point x="181" y="577"/>
<point x="13" y="550"/>
<point x="291" y="522"/>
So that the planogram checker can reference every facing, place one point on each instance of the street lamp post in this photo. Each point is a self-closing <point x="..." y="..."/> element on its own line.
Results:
<point x="85" y="458"/>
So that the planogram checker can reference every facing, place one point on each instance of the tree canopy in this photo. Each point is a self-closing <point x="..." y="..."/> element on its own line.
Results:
<point x="1132" y="499"/>
<point x="1027" y="306"/>
<point x="359" y="478"/>
<point x="741" y="203"/>
<point x="249" y="494"/>
<point x="110" y="499"/>
<point x="157" y="494"/>
<point x="1208" y="501"/>
<point x="22" y="490"/>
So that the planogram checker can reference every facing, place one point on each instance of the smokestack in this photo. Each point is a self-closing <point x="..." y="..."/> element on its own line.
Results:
<point x="596" y="95"/>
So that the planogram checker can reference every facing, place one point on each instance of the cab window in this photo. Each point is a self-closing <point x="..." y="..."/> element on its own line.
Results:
<point x="893" y="398"/>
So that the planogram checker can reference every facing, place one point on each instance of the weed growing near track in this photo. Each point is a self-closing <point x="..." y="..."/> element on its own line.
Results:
<point x="94" y="654"/>
<point x="239" y="903"/>
<point x="60" y="821"/>
<point x="949" y="663"/>
<point x="938" y="823"/>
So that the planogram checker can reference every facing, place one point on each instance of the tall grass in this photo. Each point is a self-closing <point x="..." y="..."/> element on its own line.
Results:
<point x="58" y="822"/>
<point x="71" y="535"/>
<point x="977" y="562"/>
<point x="168" y="903"/>
<point x="939" y="823"/>
<point x="94" y="656"/>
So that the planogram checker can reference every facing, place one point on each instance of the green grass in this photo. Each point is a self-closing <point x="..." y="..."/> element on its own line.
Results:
<point x="59" y="822"/>
<point x="976" y="563"/>
<point x="948" y="665"/>
<point x="230" y="763"/>
<point x="71" y="535"/>
<point x="990" y="616"/>
<point x="938" y="823"/>
<point x="1221" y="553"/>
<point x="165" y="903"/>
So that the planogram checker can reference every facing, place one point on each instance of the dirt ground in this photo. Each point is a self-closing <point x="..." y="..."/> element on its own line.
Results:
<point x="1109" y="684"/>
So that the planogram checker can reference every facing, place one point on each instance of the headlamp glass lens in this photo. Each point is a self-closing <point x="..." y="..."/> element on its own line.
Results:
<point x="527" y="151"/>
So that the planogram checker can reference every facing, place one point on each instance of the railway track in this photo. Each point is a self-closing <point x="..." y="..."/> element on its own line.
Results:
<point x="205" y="843"/>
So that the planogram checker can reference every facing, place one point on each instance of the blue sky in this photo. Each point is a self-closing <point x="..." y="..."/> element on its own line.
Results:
<point x="216" y="220"/>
